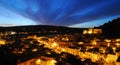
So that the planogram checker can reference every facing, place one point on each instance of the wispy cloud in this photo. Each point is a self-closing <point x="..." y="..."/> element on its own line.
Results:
<point x="63" y="12"/>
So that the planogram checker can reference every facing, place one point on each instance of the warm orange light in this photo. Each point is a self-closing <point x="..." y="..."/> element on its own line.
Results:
<point x="94" y="57"/>
<point x="54" y="44"/>
<point x="81" y="43"/>
<point x="108" y="44"/>
<point x="84" y="31"/>
<point x="107" y="40"/>
<point x="117" y="40"/>
<point x="93" y="42"/>
<point x="53" y="62"/>
<point x="111" y="58"/>
<point x="114" y="49"/>
<point x="34" y="50"/>
<point x="63" y="49"/>
<point x="2" y="42"/>
<point x="118" y="44"/>
<point x="38" y="62"/>
<point x="89" y="32"/>
<point x="12" y="32"/>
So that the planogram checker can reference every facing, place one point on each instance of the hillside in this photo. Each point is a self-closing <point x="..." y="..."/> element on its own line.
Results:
<point x="111" y="29"/>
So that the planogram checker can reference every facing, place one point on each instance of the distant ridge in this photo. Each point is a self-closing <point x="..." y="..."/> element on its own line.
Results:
<point x="36" y="28"/>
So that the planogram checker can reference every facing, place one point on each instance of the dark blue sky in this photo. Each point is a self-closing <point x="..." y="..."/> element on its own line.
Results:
<point x="73" y="13"/>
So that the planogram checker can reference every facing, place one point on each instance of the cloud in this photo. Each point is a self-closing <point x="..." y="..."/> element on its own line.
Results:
<point x="63" y="12"/>
<point x="11" y="18"/>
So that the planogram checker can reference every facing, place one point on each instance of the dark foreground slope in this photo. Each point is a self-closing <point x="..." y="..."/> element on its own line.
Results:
<point x="111" y="29"/>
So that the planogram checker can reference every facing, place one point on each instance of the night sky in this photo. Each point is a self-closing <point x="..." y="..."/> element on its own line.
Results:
<point x="72" y="13"/>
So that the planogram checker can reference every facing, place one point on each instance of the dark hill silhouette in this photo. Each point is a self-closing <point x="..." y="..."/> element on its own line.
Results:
<point x="36" y="28"/>
<point x="111" y="29"/>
